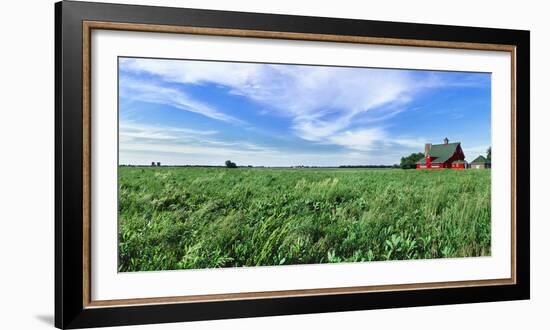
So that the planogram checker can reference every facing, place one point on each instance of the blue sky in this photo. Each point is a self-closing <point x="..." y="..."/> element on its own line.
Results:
<point x="203" y="113"/>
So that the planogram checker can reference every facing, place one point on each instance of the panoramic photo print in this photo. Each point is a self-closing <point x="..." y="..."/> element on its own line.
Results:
<point x="229" y="164"/>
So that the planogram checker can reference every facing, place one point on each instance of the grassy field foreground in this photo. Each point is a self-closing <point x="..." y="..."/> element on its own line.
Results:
<point x="183" y="218"/>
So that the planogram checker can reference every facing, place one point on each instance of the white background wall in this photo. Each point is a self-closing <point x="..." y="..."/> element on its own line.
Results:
<point x="27" y="169"/>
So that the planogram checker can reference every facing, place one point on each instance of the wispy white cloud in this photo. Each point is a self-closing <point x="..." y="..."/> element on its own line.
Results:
<point x="362" y="140"/>
<point x="129" y="125"/>
<point x="147" y="91"/>
<point x="141" y="144"/>
<point x="345" y="107"/>
<point x="135" y="136"/>
<point x="322" y="102"/>
<point x="131" y="131"/>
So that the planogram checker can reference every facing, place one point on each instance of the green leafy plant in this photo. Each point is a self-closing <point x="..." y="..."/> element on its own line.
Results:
<point x="188" y="218"/>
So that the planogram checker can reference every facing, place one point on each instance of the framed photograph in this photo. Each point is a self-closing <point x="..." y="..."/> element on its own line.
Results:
<point x="214" y="164"/>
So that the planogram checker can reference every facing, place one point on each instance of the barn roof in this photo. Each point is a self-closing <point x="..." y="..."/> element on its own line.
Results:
<point x="440" y="153"/>
<point x="480" y="160"/>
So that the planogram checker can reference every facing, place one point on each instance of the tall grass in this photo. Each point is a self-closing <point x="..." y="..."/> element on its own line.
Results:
<point x="182" y="218"/>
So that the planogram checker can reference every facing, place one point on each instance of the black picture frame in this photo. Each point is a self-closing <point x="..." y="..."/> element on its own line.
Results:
<point x="70" y="309"/>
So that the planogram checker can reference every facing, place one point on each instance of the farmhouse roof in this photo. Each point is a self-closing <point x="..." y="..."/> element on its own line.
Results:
<point x="440" y="153"/>
<point x="480" y="160"/>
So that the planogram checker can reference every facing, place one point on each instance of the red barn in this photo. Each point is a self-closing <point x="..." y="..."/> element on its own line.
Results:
<point x="446" y="155"/>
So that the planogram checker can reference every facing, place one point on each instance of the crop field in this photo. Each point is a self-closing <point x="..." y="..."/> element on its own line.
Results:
<point x="191" y="217"/>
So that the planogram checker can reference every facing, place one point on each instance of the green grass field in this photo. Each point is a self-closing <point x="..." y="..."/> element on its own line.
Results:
<point x="184" y="218"/>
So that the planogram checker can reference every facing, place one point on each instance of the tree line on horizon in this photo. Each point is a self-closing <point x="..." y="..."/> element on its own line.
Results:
<point x="231" y="164"/>
<point x="407" y="162"/>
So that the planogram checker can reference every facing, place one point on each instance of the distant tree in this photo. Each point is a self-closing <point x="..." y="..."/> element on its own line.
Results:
<point x="158" y="163"/>
<point x="153" y="164"/>
<point x="489" y="154"/>
<point x="230" y="164"/>
<point x="410" y="161"/>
